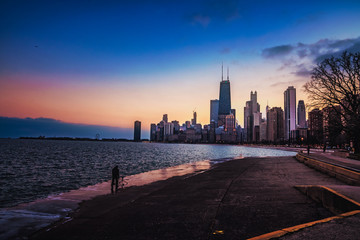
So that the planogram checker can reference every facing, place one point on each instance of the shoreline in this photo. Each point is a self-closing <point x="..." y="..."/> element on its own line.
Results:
<point x="43" y="212"/>
<point x="159" y="205"/>
<point x="56" y="208"/>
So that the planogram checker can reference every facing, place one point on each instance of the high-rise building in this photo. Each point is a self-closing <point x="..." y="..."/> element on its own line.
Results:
<point x="255" y="107"/>
<point x="252" y="118"/>
<point x="153" y="132"/>
<point x="247" y="120"/>
<point x="230" y="123"/>
<point x="275" y="125"/>
<point x="137" y="131"/>
<point x="332" y="125"/>
<point x="316" y="125"/>
<point x="301" y="114"/>
<point x="214" y="110"/>
<point x="224" y="100"/>
<point x="233" y="112"/>
<point x="256" y="126"/>
<point x="165" y="118"/>
<point x="168" y="130"/>
<point x="193" y="121"/>
<point x="289" y="111"/>
<point x="176" y="126"/>
<point x="263" y="129"/>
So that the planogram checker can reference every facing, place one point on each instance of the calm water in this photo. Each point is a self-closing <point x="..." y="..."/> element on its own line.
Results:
<point x="32" y="169"/>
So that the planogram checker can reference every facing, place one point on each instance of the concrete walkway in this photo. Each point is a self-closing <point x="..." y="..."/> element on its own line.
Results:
<point x="238" y="199"/>
<point x="331" y="158"/>
<point x="337" y="227"/>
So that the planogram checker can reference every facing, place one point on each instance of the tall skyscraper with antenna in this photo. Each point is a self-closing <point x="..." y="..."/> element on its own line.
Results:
<point x="224" y="98"/>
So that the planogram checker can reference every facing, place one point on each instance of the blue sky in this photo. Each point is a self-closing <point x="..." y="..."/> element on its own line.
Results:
<point x="160" y="55"/>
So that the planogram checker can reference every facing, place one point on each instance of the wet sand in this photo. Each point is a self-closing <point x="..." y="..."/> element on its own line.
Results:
<point x="233" y="200"/>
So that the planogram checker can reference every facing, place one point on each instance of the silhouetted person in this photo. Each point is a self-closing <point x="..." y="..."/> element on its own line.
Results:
<point x="115" y="179"/>
<point x="324" y="148"/>
<point x="308" y="149"/>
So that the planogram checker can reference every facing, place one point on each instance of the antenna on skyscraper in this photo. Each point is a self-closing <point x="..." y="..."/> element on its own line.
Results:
<point x="228" y="73"/>
<point x="222" y="71"/>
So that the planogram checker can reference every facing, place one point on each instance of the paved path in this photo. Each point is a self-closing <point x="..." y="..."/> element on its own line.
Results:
<point x="330" y="158"/>
<point x="327" y="156"/>
<point x="234" y="200"/>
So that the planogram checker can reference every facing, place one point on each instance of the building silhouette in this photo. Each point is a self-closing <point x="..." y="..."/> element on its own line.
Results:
<point x="165" y="118"/>
<point x="153" y="132"/>
<point x="289" y="111"/>
<point x="194" y="120"/>
<point x="252" y="119"/>
<point x="316" y="126"/>
<point x="224" y="100"/>
<point x="214" y="110"/>
<point x="333" y="125"/>
<point x="275" y="125"/>
<point x="301" y="114"/>
<point x="137" y="131"/>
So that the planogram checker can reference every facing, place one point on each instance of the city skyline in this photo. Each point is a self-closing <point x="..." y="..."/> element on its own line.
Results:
<point x="96" y="64"/>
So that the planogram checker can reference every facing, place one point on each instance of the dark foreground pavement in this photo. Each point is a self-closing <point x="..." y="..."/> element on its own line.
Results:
<point x="343" y="228"/>
<point x="238" y="199"/>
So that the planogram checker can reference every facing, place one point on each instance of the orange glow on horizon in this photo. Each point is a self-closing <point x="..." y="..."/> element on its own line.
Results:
<point x="120" y="103"/>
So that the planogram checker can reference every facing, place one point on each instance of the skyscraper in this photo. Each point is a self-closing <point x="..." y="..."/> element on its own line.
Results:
<point x="275" y="124"/>
<point x="247" y="120"/>
<point x="301" y="114"/>
<point x="137" y="131"/>
<point x="214" y="110"/>
<point x="316" y="125"/>
<point x="193" y="121"/>
<point x="290" y="111"/>
<point x="224" y="99"/>
<point x="165" y="118"/>
<point x="152" y="132"/>
<point x="229" y="123"/>
<point x="252" y="118"/>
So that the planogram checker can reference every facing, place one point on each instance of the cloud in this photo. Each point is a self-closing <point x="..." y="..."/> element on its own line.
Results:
<point x="278" y="51"/>
<point x="34" y="127"/>
<point x="302" y="71"/>
<point x="286" y="83"/>
<point x="210" y="10"/>
<point x="200" y="19"/>
<point x="225" y="50"/>
<point x="301" y="58"/>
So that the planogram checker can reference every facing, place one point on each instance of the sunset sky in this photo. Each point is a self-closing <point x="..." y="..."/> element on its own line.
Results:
<point x="113" y="62"/>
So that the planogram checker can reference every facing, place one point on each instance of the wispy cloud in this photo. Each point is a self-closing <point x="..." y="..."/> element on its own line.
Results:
<point x="301" y="58"/>
<point x="210" y="10"/>
<point x="286" y="83"/>
<point x="197" y="18"/>
<point x="277" y="52"/>
<point x="225" y="50"/>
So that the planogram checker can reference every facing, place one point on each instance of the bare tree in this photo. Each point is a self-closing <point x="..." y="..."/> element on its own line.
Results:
<point x="336" y="82"/>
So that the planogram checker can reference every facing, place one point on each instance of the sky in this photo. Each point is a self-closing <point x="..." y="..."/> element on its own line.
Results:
<point x="109" y="63"/>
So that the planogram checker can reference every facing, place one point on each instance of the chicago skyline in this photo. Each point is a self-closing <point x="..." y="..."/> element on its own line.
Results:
<point x="276" y="127"/>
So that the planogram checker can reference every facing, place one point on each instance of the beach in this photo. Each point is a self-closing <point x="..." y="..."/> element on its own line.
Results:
<point x="237" y="199"/>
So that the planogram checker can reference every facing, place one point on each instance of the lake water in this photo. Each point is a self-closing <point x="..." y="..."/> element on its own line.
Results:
<point x="37" y="175"/>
